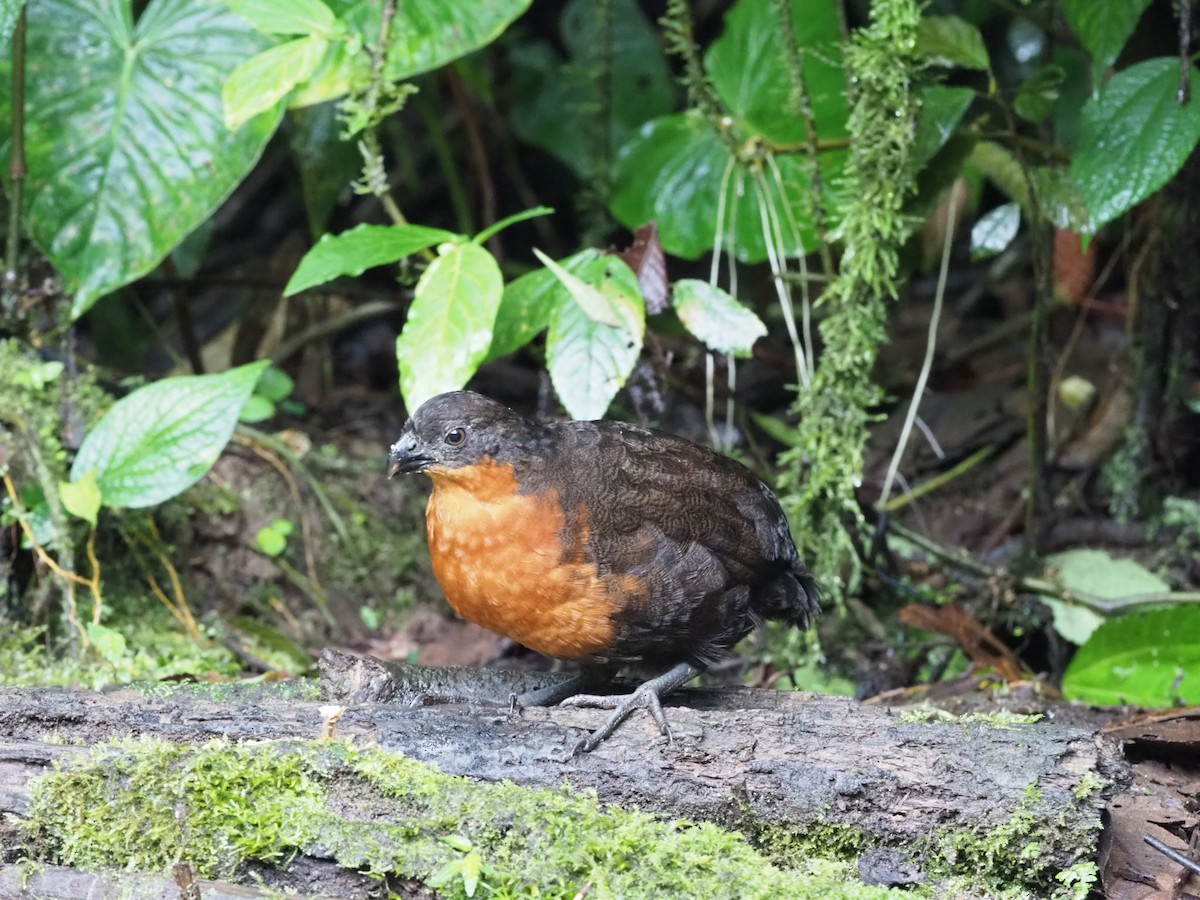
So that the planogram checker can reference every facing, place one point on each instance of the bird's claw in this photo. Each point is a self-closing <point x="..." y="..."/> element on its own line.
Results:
<point x="622" y="705"/>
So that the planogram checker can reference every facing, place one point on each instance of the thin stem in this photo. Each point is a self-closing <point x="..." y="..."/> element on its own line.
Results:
<point x="16" y="167"/>
<point x="927" y="364"/>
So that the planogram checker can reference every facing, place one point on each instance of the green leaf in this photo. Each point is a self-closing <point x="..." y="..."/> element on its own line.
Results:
<point x="589" y="360"/>
<point x="424" y="36"/>
<point x="1104" y="25"/>
<point x="472" y="866"/>
<point x="287" y="16"/>
<point x="81" y="498"/>
<point x="716" y="318"/>
<point x="326" y="163"/>
<point x="459" y="842"/>
<point x="109" y="644"/>
<point x="1039" y="92"/>
<point x="1133" y="138"/>
<point x="272" y="539"/>
<point x="9" y="10"/>
<point x="449" y="327"/>
<point x="749" y="69"/>
<point x="673" y="172"/>
<point x="257" y="409"/>
<point x="263" y="80"/>
<point x="362" y="247"/>
<point x="995" y="231"/>
<point x="1094" y="572"/>
<point x="163" y="438"/>
<point x="1061" y="199"/>
<point x="554" y="102"/>
<point x="942" y="108"/>
<point x="951" y="41"/>
<point x="274" y="384"/>
<point x="529" y="302"/>
<point x="125" y="140"/>
<point x="1149" y="659"/>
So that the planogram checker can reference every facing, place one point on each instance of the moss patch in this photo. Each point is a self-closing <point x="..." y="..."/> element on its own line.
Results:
<point x="145" y="805"/>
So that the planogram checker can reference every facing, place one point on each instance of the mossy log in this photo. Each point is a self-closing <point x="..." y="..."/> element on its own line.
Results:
<point x="797" y="773"/>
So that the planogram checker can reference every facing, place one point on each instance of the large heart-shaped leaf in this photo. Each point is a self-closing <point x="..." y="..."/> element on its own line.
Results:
<point x="1134" y="137"/>
<point x="674" y="171"/>
<point x="555" y="102"/>
<point x="125" y="140"/>
<point x="750" y="71"/>
<point x="449" y="327"/>
<point x="162" y="438"/>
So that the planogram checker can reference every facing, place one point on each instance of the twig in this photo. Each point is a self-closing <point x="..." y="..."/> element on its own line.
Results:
<point x="964" y="561"/>
<point x="1172" y="854"/>
<point x="939" y="480"/>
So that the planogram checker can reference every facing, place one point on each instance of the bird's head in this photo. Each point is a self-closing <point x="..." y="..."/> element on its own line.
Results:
<point x="455" y="430"/>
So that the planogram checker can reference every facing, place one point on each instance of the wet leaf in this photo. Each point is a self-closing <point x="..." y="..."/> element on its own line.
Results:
<point x="995" y="231"/>
<point x="1133" y="138"/>
<point x="362" y="247"/>
<point x="162" y="438"/>
<point x="1149" y="659"/>
<point x="942" y="108"/>
<point x="529" y="303"/>
<point x="594" y="341"/>
<point x="951" y="41"/>
<point x="449" y="327"/>
<point x="127" y="148"/>
<point x="716" y="318"/>
<point x="1104" y="25"/>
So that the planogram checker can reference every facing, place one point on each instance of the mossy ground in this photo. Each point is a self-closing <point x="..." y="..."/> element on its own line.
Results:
<point x="144" y="805"/>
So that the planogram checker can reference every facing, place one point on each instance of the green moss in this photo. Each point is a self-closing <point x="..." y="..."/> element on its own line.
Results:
<point x="145" y="805"/>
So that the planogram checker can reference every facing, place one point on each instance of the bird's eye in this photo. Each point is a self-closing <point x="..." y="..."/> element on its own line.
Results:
<point x="456" y="436"/>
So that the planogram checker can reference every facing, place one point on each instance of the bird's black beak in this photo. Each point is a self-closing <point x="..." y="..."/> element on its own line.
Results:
<point x="405" y="456"/>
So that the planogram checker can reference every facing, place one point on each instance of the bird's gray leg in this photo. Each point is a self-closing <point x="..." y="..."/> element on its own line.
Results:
<point x="647" y="696"/>
<point x="586" y="679"/>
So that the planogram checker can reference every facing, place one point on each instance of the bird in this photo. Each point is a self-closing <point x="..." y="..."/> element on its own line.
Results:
<point x="600" y="542"/>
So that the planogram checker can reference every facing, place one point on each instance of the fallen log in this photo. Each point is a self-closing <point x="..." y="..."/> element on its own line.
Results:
<point x="792" y="771"/>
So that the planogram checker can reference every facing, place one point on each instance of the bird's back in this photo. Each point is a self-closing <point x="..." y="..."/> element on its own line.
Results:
<point x="697" y="548"/>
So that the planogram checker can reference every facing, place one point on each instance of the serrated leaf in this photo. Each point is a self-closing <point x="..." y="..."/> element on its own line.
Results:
<point x="554" y="101"/>
<point x="995" y="231"/>
<point x="81" y="498"/>
<point x="1104" y="25"/>
<point x="1039" y="92"/>
<point x="1133" y="138"/>
<point x="1149" y="659"/>
<point x="589" y="361"/>
<point x="942" y="108"/>
<point x="673" y="171"/>
<point x="528" y="303"/>
<point x="362" y="247"/>
<point x="716" y="318"/>
<point x="264" y="79"/>
<point x="287" y="16"/>
<point x="951" y="41"/>
<point x="762" y="95"/>
<point x="125" y="140"/>
<point x="449" y="327"/>
<point x="163" y="438"/>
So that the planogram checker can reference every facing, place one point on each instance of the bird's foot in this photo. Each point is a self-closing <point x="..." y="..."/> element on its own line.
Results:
<point x="647" y="696"/>
<point x="622" y="705"/>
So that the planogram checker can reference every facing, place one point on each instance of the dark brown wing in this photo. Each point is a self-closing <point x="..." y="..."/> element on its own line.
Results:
<point x="696" y="547"/>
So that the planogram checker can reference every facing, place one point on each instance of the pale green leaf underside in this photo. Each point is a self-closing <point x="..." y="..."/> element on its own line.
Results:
<point x="162" y="438"/>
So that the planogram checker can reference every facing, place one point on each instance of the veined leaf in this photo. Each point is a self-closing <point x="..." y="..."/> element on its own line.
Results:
<point x="362" y="247"/>
<point x="715" y="317"/>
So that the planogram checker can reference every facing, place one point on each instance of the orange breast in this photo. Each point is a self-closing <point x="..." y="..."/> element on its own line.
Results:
<point x="499" y="557"/>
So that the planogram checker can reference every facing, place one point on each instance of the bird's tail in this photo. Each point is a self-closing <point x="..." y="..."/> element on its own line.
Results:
<point x="795" y="597"/>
